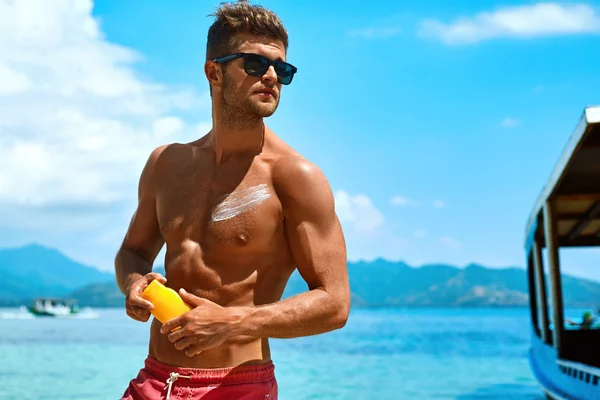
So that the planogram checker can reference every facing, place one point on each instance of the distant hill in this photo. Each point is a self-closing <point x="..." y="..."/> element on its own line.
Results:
<point x="34" y="270"/>
<point x="381" y="283"/>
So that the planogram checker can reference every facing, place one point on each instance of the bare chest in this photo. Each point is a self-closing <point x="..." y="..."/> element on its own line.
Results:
<point x="219" y="213"/>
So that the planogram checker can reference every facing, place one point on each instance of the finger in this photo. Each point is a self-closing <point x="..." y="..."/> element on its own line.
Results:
<point x="172" y="324"/>
<point x="134" y="297"/>
<point x="177" y="335"/>
<point x="140" y="318"/>
<point x="155" y="275"/>
<point x="142" y="312"/>
<point x="191" y="299"/>
<point x="138" y="314"/>
<point x="185" y="342"/>
<point x="194" y="350"/>
<point x="138" y="301"/>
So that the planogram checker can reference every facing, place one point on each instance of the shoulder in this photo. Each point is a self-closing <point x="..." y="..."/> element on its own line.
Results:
<point x="153" y="159"/>
<point x="159" y="159"/>
<point x="156" y="153"/>
<point x="301" y="185"/>
<point x="166" y="156"/>
<point x="146" y="181"/>
<point x="292" y="169"/>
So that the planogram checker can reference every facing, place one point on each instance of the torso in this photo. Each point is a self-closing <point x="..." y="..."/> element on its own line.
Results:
<point x="224" y="232"/>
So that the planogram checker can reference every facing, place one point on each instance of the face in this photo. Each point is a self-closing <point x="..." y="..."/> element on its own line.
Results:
<point x="246" y="98"/>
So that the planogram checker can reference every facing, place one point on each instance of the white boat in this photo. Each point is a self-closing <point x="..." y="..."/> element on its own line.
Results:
<point x="565" y="357"/>
<point x="59" y="308"/>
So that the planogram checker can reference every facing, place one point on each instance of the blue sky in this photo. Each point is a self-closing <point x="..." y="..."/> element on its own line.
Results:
<point x="436" y="123"/>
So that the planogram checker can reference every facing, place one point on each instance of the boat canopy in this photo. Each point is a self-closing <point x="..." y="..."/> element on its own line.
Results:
<point x="573" y="190"/>
<point x="56" y="300"/>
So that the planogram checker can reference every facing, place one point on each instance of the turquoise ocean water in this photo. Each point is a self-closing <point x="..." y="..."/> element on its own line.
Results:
<point x="380" y="354"/>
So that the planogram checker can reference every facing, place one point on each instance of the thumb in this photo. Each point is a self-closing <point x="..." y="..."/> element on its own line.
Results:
<point x="155" y="275"/>
<point x="189" y="298"/>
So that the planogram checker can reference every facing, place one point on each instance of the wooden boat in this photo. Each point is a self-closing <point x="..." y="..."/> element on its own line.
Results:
<point x="565" y="360"/>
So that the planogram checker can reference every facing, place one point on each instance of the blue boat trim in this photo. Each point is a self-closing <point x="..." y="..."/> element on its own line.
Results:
<point x="543" y="381"/>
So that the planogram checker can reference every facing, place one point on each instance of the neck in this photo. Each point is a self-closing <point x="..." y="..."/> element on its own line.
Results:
<point x="230" y="137"/>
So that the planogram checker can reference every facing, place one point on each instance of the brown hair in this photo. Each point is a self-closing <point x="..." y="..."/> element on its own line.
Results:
<point x="241" y="17"/>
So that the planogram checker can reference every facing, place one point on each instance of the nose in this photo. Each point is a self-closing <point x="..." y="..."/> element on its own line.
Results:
<point x="270" y="76"/>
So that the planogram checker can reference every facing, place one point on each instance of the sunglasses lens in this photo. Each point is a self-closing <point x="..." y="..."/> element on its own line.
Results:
<point x="255" y="65"/>
<point x="285" y="73"/>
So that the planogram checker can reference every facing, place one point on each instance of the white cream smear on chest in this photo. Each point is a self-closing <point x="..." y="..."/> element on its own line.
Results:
<point x="240" y="201"/>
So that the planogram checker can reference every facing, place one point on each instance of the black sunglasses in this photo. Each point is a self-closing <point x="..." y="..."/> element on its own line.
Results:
<point x="257" y="65"/>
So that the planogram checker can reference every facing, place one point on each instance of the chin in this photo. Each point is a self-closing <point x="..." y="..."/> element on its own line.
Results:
<point x="264" y="110"/>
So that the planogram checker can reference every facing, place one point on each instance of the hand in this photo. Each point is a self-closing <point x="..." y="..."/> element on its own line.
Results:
<point x="206" y="326"/>
<point x="136" y="306"/>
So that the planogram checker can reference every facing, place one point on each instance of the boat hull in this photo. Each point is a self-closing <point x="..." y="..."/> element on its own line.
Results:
<point x="556" y="379"/>
<point x="42" y="313"/>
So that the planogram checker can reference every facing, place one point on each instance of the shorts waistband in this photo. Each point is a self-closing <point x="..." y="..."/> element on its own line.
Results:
<point x="230" y="375"/>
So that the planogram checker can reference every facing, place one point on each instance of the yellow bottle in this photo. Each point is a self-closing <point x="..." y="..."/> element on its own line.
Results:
<point x="166" y="301"/>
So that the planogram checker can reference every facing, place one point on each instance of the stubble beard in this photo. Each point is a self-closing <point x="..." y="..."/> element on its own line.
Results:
<point x="243" y="113"/>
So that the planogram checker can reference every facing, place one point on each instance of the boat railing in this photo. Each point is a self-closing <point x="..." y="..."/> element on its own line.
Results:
<point x="580" y="371"/>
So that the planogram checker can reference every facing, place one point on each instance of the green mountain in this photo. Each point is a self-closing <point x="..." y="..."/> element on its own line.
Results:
<point x="34" y="271"/>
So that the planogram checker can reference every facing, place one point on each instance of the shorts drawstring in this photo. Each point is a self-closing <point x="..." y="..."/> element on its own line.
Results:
<point x="174" y="376"/>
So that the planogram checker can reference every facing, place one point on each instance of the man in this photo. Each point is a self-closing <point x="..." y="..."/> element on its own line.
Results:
<point x="238" y="210"/>
<point x="587" y="320"/>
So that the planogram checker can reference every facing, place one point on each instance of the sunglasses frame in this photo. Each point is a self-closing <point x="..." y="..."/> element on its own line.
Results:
<point x="269" y="62"/>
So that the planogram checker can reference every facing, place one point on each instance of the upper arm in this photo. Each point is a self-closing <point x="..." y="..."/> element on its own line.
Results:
<point x="313" y="229"/>
<point x="143" y="234"/>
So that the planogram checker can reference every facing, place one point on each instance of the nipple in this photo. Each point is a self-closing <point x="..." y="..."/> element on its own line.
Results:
<point x="241" y="239"/>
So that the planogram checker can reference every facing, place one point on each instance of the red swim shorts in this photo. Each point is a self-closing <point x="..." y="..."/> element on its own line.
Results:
<point x="159" y="381"/>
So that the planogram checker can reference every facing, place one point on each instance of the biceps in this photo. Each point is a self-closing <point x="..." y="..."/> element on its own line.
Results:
<point x="319" y="251"/>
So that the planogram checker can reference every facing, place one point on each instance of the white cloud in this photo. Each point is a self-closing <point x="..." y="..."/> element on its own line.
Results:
<point x="375" y="33"/>
<point x="509" y="122"/>
<point x="526" y="21"/>
<point x="11" y="81"/>
<point x="358" y="211"/>
<point x="438" y="204"/>
<point x="168" y="126"/>
<point x="76" y="121"/>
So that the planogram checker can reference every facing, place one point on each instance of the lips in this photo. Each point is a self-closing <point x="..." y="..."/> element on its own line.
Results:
<point x="266" y="92"/>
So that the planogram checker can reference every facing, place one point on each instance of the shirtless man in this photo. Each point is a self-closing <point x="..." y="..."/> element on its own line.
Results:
<point x="239" y="211"/>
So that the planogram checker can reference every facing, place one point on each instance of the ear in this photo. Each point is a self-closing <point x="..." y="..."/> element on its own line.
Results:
<point x="213" y="73"/>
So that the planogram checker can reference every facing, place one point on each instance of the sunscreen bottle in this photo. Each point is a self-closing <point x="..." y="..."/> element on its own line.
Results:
<point x="167" y="302"/>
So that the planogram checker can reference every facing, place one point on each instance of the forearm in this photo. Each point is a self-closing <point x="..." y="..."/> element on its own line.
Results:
<point x="305" y="314"/>
<point x="129" y="266"/>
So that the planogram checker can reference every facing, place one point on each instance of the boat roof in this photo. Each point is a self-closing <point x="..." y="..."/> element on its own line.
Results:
<point x="574" y="189"/>
<point x="56" y="299"/>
